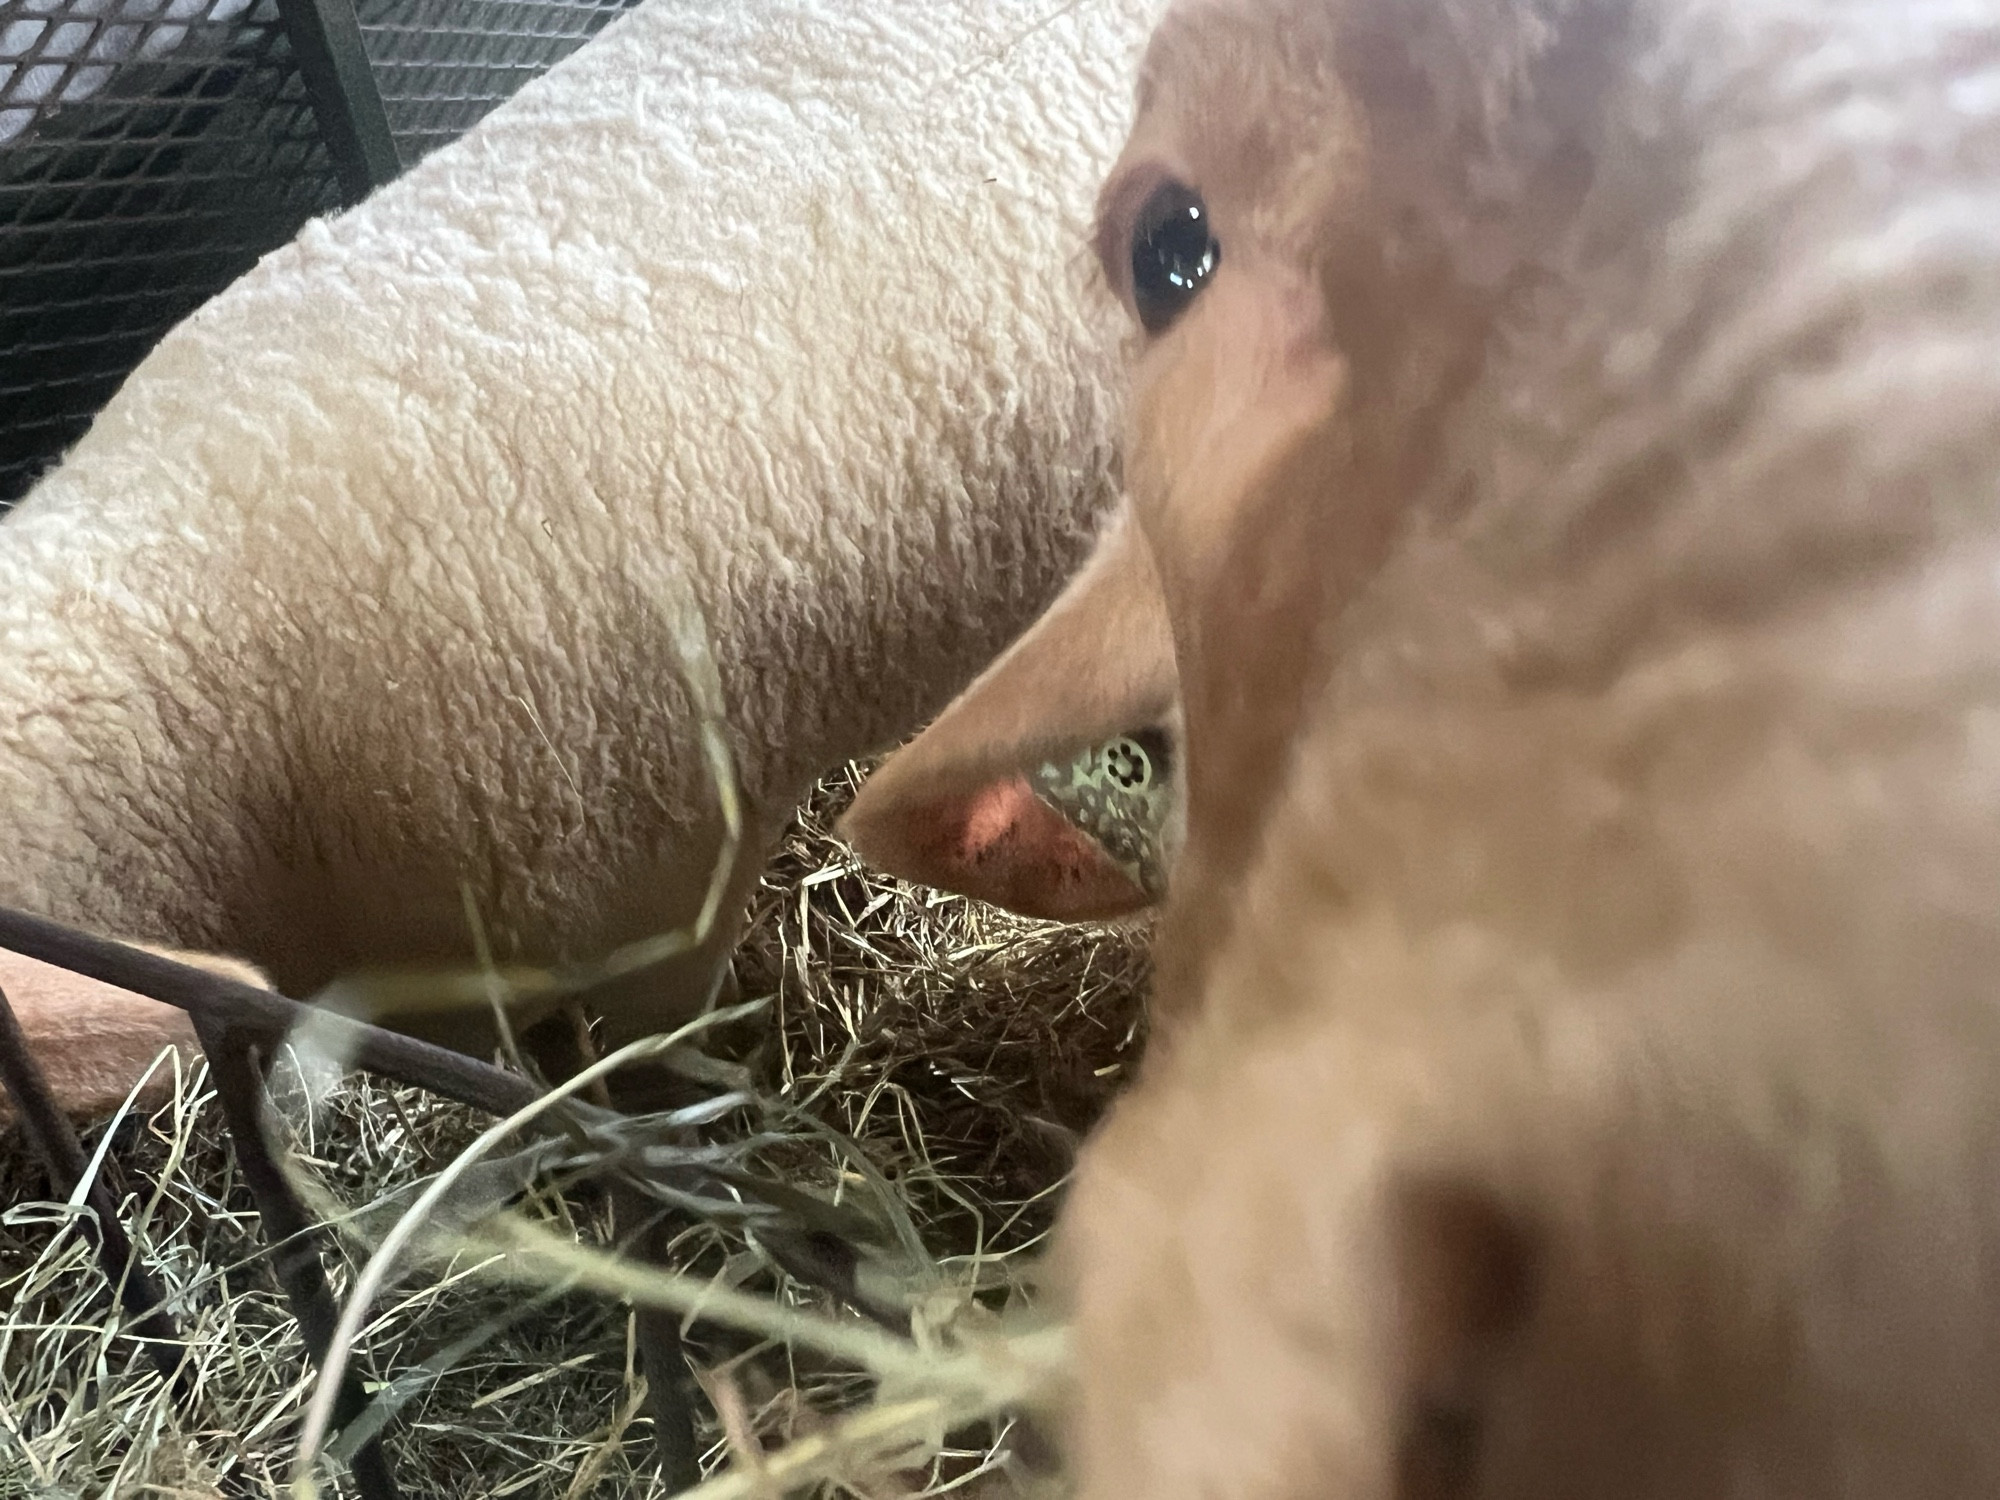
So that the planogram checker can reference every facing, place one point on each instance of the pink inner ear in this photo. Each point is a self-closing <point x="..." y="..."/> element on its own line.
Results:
<point x="1005" y="845"/>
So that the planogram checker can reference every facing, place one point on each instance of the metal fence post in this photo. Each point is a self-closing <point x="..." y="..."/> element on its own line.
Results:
<point x="289" y="1230"/>
<point x="326" y="39"/>
<point x="52" y="1138"/>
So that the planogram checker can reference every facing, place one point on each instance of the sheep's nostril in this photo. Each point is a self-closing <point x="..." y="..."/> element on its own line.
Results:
<point x="1173" y="254"/>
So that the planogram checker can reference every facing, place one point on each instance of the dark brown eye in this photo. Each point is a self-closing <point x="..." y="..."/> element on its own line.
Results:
<point x="1173" y="254"/>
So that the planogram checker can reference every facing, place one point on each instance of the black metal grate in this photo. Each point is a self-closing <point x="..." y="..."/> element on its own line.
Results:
<point x="154" y="149"/>
<point x="443" y="64"/>
<point x="151" y="150"/>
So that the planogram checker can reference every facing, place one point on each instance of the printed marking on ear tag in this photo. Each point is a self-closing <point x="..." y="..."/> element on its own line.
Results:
<point x="1120" y="793"/>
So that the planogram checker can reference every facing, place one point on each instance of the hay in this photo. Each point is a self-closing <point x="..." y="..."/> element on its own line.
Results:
<point x="927" y="1062"/>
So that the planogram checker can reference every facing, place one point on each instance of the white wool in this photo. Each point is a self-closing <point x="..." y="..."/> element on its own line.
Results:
<point x="362" y="585"/>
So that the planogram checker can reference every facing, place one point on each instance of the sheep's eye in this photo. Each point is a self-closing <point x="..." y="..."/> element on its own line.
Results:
<point x="1173" y="254"/>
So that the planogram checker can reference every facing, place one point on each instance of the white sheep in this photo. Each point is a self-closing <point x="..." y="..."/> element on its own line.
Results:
<point x="362" y="593"/>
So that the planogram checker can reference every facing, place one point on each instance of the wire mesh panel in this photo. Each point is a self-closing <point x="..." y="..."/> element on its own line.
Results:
<point x="152" y="150"/>
<point x="442" y="64"/>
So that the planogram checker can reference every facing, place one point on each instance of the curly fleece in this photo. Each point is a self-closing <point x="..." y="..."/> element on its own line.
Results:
<point x="362" y="587"/>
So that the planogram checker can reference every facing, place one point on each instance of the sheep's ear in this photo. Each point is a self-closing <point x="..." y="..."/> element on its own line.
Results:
<point x="954" y="808"/>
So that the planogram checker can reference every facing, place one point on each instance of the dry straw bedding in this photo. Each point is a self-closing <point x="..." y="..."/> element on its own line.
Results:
<point x="928" y="1062"/>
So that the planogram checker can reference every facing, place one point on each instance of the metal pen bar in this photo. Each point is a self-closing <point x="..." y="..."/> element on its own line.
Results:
<point x="326" y="39"/>
<point x="234" y="1021"/>
<point x="290" y="1232"/>
<point x="262" y="1013"/>
<point x="54" y="1140"/>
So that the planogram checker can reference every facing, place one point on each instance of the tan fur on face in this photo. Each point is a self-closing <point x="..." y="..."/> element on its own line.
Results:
<point x="1574" y="498"/>
<point x="1280" y="427"/>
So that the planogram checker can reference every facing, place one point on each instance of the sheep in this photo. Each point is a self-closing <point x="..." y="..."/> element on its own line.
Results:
<point x="1567" y="437"/>
<point x="356" y="618"/>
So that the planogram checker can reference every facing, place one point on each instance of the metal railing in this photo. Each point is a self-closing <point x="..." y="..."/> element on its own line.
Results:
<point x="152" y="150"/>
<point x="240" y="1027"/>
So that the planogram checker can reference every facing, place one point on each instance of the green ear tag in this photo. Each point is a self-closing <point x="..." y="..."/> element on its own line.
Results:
<point x="1120" y="793"/>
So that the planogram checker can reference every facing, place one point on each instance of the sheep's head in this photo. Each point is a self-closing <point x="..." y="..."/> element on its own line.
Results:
<point x="1494" y="477"/>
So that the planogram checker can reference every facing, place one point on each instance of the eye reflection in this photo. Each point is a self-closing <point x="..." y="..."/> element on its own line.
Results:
<point x="1173" y="254"/>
